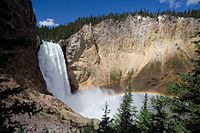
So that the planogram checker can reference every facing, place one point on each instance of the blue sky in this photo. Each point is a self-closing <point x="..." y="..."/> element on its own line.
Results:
<point x="55" y="12"/>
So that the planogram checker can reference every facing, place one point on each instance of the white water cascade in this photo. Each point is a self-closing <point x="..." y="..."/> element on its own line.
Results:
<point x="88" y="103"/>
<point x="53" y="67"/>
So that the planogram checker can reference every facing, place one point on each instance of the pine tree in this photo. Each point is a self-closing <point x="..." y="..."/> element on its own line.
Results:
<point x="125" y="119"/>
<point x="104" y="126"/>
<point x="145" y="118"/>
<point x="65" y="31"/>
<point x="159" y="116"/>
<point x="163" y="119"/>
<point x="89" y="128"/>
<point x="187" y="101"/>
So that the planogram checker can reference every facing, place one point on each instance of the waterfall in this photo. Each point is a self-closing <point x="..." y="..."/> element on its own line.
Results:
<point x="88" y="103"/>
<point x="53" y="67"/>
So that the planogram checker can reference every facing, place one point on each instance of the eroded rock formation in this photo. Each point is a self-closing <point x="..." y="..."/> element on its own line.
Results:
<point x="144" y="52"/>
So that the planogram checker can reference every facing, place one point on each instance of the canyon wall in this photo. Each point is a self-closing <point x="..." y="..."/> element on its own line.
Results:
<point x="143" y="52"/>
<point x="18" y="43"/>
<point x="19" y="68"/>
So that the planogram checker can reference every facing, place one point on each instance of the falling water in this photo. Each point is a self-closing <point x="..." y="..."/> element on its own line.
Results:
<point x="53" y="67"/>
<point x="88" y="103"/>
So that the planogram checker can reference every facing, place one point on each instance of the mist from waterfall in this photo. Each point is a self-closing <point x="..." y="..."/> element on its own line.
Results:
<point x="88" y="103"/>
<point x="53" y="67"/>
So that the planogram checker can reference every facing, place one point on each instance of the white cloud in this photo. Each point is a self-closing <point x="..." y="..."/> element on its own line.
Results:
<point x="48" y="22"/>
<point x="190" y="2"/>
<point x="172" y="3"/>
<point x="179" y="3"/>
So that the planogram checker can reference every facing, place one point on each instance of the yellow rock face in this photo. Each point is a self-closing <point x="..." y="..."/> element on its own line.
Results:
<point x="142" y="52"/>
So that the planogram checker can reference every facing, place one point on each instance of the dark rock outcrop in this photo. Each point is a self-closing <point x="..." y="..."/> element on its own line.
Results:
<point x="19" y="68"/>
<point x="18" y="43"/>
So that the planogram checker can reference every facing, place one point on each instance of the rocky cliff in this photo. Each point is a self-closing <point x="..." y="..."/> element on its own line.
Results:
<point x="19" y="69"/>
<point x="18" y="43"/>
<point x="143" y="52"/>
<point x="54" y="115"/>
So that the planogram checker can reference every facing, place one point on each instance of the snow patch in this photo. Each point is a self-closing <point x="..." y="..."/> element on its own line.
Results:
<point x="139" y="17"/>
<point x="160" y="18"/>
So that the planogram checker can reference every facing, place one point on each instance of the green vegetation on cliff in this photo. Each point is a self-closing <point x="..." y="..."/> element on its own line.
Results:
<point x="65" y="31"/>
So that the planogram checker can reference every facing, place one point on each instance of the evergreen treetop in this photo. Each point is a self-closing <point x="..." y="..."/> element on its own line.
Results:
<point x="66" y="30"/>
<point x="125" y="119"/>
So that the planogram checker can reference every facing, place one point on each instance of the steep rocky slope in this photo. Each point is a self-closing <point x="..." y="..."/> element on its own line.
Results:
<point x="18" y="43"/>
<point x="54" y="115"/>
<point x="142" y="51"/>
<point x="19" y="69"/>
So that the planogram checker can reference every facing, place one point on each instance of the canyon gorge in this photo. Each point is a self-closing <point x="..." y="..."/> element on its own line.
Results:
<point x="70" y="78"/>
<point x="144" y="52"/>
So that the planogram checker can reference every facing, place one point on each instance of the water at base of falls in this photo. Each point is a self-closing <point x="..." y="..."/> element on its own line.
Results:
<point x="53" y="67"/>
<point x="88" y="103"/>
